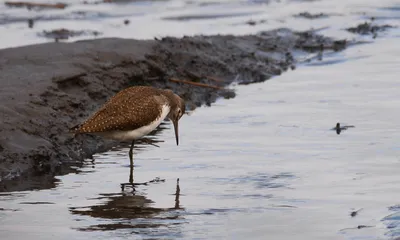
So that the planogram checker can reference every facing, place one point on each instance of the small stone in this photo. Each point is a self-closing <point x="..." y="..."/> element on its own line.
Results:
<point x="30" y="23"/>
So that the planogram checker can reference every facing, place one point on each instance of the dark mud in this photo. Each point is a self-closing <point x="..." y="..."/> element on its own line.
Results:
<point x="369" y="28"/>
<point x="45" y="89"/>
<point x="62" y="33"/>
<point x="311" y="15"/>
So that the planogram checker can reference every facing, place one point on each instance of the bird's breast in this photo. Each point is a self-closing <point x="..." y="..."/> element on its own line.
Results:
<point x="129" y="135"/>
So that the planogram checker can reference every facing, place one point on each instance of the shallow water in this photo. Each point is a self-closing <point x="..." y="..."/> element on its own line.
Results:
<point x="262" y="165"/>
<point x="149" y="19"/>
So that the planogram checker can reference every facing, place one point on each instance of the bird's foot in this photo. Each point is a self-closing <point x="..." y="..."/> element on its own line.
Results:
<point x="150" y="141"/>
<point x="132" y="185"/>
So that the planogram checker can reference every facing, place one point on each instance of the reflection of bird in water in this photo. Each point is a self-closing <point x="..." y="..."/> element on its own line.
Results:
<point x="339" y="128"/>
<point x="137" y="209"/>
<point x="133" y="113"/>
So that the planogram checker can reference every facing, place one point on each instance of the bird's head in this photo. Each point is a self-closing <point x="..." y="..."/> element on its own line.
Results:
<point x="178" y="108"/>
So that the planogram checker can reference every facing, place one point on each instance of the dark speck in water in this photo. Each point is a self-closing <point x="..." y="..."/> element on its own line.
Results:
<point x="363" y="226"/>
<point x="7" y="209"/>
<point x="354" y="213"/>
<point x="339" y="128"/>
<point x="358" y="227"/>
<point x="30" y="23"/>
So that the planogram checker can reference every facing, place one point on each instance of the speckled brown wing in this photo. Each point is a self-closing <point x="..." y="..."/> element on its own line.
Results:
<point x="129" y="109"/>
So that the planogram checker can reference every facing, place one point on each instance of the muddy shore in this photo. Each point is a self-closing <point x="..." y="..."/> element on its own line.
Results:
<point x="45" y="89"/>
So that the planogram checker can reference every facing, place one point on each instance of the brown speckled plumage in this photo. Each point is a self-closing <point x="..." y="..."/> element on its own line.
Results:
<point x="129" y="109"/>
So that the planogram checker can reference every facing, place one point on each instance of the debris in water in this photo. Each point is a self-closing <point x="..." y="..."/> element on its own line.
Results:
<point x="30" y="5"/>
<point x="311" y="15"/>
<point x="339" y="128"/>
<point x="363" y="226"/>
<point x="358" y="227"/>
<point x="354" y="213"/>
<point x="368" y="28"/>
<point x="157" y="180"/>
<point x="253" y="23"/>
<point x="30" y="23"/>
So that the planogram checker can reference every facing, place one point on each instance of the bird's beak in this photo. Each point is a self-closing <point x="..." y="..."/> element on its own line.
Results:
<point x="175" y="122"/>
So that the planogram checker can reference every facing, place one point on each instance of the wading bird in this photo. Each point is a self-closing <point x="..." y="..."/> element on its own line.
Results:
<point x="133" y="113"/>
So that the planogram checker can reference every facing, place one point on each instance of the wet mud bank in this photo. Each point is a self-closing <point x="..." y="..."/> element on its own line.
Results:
<point x="45" y="89"/>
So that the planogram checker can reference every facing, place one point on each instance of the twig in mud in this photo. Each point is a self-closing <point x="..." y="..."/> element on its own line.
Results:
<point x="196" y="76"/>
<point x="190" y="74"/>
<point x="214" y="79"/>
<point x="30" y="5"/>
<point x="194" y="83"/>
<point x="153" y="78"/>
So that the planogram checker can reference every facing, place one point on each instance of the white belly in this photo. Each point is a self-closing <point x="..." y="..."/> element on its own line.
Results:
<point x="130" y="135"/>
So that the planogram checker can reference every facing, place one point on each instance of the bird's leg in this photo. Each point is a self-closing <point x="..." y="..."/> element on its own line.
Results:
<point x="131" y="153"/>
<point x="131" y="162"/>
<point x="130" y="183"/>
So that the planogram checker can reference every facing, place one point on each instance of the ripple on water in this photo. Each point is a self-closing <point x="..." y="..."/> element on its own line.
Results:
<point x="190" y="17"/>
<point x="242" y="196"/>
<point x="212" y="211"/>
<point x="259" y="180"/>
